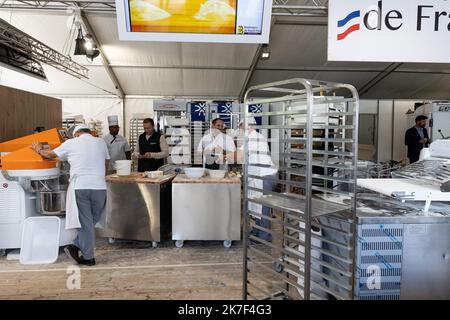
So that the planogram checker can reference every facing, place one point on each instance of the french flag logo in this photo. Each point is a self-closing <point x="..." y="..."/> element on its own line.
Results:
<point x="346" y="22"/>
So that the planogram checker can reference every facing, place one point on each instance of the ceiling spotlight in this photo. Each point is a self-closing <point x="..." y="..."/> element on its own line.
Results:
<point x="88" y="45"/>
<point x="265" y="52"/>
<point x="92" y="51"/>
<point x="80" y="43"/>
<point x="91" y="55"/>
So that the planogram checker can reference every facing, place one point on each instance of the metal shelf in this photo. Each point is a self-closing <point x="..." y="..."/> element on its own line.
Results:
<point x="282" y="203"/>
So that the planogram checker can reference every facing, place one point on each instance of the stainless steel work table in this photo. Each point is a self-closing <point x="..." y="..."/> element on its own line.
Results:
<point x="137" y="208"/>
<point x="206" y="209"/>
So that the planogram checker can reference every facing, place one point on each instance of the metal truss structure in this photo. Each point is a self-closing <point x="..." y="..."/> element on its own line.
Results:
<point x="310" y="8"/>
<point x="37" y="51"/>
<point x="88" y="6"/>
<point x="40" y="52"/>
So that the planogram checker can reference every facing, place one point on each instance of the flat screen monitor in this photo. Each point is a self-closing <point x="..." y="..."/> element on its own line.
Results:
<point x="226" y="21"/>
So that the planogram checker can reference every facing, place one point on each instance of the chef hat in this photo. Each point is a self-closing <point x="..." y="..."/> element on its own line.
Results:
<point x="113" y="121"/>
<point x="80" y="127"/>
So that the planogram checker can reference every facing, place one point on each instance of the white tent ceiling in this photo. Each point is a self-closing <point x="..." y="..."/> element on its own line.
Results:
<point x="214" y="70"/>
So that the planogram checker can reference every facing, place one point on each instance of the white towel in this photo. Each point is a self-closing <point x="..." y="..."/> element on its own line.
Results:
<point x="72" y="218"/>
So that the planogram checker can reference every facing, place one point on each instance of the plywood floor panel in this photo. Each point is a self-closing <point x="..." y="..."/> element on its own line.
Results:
<point x="133" y="271"/>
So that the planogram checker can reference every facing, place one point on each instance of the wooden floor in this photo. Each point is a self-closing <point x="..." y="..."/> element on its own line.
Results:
<point x="130" y="270"/>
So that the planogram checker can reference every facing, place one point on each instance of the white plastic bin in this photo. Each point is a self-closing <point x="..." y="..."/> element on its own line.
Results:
<point x="66" y="236"/>
<point x="40" y="240"/>
<point x="123" y="167"/>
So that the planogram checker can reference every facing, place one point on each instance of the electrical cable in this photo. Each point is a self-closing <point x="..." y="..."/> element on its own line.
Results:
<point x="67" y="41"/>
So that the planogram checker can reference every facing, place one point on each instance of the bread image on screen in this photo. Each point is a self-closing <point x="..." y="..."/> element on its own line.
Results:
<point x="142" y="10"/>
<point x="215" y="10"/>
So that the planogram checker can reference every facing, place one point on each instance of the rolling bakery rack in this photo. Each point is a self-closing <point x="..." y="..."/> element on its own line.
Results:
<point x="312" y="133"/>
<point x="136" y="128"/>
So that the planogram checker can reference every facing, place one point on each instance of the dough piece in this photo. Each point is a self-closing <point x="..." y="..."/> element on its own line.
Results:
<point x="142" y="10"/>
<point x="215" y="10"/>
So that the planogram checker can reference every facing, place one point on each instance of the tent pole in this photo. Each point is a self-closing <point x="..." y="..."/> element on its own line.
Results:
<point x="123" y="117"/>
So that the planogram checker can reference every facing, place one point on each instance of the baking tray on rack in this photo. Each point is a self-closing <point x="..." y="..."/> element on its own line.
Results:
<point x="432" y="171"/>
<point x="319" y="207"/>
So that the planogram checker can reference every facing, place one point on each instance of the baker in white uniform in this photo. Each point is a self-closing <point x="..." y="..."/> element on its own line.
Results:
<point x="260" y="165"/>
<point x="215" y="145"/>
<point x="86" y="196"/>
<point x="118" y="146"/>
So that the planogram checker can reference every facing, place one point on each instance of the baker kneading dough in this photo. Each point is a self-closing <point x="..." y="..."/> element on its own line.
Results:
<point x="145" y="11"/>
<point x="215" y="10"/>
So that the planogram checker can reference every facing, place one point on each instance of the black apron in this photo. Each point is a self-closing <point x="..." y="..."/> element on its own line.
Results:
<point x="150" y="145"/>
<point x="214" y="166"/>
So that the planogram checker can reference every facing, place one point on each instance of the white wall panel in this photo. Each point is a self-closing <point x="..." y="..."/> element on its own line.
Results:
<point x="368" y="106"/>
<point x="385" y="117"/>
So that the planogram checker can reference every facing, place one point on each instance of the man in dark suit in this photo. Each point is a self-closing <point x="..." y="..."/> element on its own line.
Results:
<point x="416" y="138"/>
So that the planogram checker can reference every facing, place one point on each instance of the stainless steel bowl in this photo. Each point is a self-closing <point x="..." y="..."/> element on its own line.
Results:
<point x="51" y="203"/>
<point x="44" y="185"/>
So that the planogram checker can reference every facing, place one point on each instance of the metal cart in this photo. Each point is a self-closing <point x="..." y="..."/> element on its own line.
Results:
<point x="206" y="209"/>
<point x="138" y="208"/>
<point x="312" y="132"/>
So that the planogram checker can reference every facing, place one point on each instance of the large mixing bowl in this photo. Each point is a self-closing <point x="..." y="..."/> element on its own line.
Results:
<point x="194" y="173"/>
<point x="44" y="185"/>
<point x="217" y="174"/>
<point x="51" y="203"/>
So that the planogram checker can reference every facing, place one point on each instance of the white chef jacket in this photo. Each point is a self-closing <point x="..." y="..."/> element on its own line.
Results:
<point x="223" y="141"/>
<point x="86" y="156"/>
<point x="117" y="148"/>
<point x="259" y="153"/>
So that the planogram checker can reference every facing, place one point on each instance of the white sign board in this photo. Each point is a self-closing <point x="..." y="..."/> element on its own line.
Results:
<point x="169" y="105"/>
<point x="389" y="31"/>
